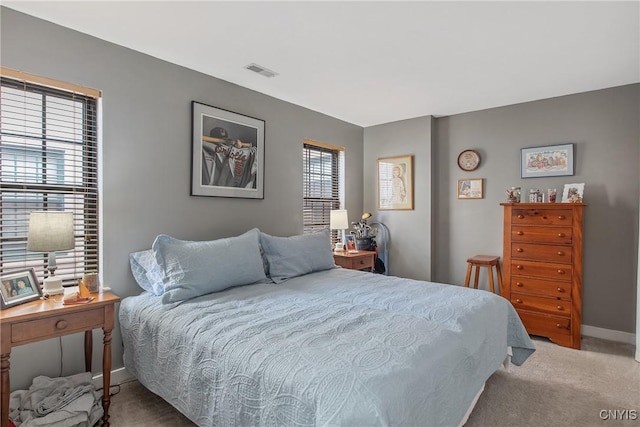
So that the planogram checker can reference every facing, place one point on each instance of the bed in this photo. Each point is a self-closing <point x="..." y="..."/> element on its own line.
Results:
<point x="327" y="347"/>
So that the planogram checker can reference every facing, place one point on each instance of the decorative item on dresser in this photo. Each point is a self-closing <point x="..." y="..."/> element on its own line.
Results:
<point x="542" y="264"/>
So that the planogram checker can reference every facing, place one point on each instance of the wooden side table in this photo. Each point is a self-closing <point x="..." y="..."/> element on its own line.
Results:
<point x="361" y="260"/>
<point x="40" y="320"/>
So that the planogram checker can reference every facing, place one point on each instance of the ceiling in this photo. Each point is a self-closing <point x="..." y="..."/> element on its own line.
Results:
<point x="372" y="62"/>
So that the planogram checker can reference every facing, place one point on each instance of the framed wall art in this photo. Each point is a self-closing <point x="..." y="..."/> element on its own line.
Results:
<point x="395" y="183"/>
<point x="470" y="188"/>
<point x="19" y="287"/>
<point x="550" y="160"/>
<point x="227" y="153"/>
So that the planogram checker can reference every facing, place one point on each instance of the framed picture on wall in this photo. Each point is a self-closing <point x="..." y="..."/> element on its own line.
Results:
<point x="227" y="158"/>
<point x="470" y="188"/>
<point x="550" y="160"/>
<point x="395" y="183"/>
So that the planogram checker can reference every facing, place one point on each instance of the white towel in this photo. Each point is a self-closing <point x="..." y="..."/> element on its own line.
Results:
<point x="57" y="402"/>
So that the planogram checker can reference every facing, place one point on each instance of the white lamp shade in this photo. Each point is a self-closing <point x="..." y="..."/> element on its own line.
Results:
<point x="50" y="231"/>
<point x="338" y="219"/>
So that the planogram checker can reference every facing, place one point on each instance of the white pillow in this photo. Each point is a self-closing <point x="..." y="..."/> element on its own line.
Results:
<point x="190" y="269"/>
<point x="297" y="255"/>
<point x="146" y="271"/>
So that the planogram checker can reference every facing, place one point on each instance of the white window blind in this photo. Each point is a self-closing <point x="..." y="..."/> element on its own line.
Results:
<point x="321" y="185"/>
<point x="48" y="161"/>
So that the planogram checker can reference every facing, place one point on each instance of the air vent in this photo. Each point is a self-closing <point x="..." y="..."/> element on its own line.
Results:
<point x="261" y="70"/>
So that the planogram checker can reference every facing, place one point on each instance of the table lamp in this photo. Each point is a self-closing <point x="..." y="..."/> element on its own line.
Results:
<point x="51" y="231"/>
<point x="339" y="220"/>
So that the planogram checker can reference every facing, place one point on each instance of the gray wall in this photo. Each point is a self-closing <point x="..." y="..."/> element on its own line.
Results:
<point x="146" y="157"/>
<point x="410" y="230"/>
<point x="604" y="126"/>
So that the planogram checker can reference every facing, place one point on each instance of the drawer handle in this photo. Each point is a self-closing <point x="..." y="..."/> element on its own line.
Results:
<point x="519" y="250"/>
<point x="519" y="301"/>
<point x="560" y="253"/>
<point x="519" y="284"/>
<point x="558" y="325"/>
<point x="560" y="234"/>
<point x="61" y="324"/>
<point x="519" y="267"/>
<point x="544" y="217"/>
<point x="560" y="271"/>
<point x="519" y="233"/>
<point x="561" y="217"/>
<point x="520" y="216"/>
<point x="361" y="261"/>
<point x="560" y="290"/>
<point x="560" y="308"/>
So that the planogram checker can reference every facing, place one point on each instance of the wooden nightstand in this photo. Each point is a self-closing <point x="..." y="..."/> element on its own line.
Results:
<point x="40" y="320"/>
<point x="361" y="260"/>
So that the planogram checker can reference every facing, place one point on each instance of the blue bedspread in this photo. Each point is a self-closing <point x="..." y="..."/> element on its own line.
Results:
<point x="336" y="347"/>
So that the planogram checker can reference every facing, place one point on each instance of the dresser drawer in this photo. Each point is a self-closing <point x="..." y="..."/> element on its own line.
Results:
<point x="542" y="287"/>
<point x="57" y="325"/>
<point x="553" y="253"/>
<point x="541" y="304"/>
<point x="542" y="216"/>
<point x="552" y="235"/>
<point x="360" y="261"/>
<point x="544" y="270"/>
<point x="545" y="325"/>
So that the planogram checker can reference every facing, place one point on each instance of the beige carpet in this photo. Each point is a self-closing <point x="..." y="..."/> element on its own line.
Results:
<point x="556" y="386"/>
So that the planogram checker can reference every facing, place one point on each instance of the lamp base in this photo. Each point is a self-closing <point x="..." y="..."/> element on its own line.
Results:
<point x="52" y="286"/>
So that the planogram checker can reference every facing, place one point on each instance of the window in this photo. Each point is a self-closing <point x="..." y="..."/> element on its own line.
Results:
<point x="323" y="167"/>
<point x="48" y="161"/>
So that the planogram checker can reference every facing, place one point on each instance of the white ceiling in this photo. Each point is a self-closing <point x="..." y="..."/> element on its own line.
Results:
<point x="372" y="62"/>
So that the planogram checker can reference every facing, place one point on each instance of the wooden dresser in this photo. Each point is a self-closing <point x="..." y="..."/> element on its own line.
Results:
<point x="542" y="262"/>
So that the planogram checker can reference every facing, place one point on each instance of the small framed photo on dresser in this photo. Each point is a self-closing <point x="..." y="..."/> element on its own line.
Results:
<point x="573" y="193"/>
<point x="19" y="287"/>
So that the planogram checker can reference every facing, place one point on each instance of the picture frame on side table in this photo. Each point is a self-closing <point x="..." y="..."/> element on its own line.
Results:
<point x="549" y="160"/>
<point x="350" y="243"/>
<point x="395" y="183"/>
<point x="19" y="287"/>
<point x="227" y="158"/>
<point x="470" y="188"/>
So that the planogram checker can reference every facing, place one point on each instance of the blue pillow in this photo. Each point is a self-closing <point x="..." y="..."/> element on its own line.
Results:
<point x="146" y="271"/>
<point x="297" y="255"/>
<point x="190" y="269"/>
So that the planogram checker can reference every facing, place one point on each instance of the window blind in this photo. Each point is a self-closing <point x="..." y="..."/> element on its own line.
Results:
<point x="48" y="161"/>
<point x="321" y="185"/>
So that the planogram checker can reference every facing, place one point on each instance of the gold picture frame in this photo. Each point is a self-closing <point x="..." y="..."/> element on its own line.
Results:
<point x="395" y="183"/>
<point x="470" y="188"/>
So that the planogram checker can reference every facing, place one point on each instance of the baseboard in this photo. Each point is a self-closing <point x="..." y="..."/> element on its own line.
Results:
<point x="118" y="376"/>
<point x="609" y="334"/>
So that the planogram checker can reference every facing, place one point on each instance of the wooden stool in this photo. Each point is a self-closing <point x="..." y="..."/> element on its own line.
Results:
<point x="484" y="261"/>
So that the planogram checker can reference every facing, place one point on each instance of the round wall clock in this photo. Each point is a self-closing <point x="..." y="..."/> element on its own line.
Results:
<point x="469" y="160"/>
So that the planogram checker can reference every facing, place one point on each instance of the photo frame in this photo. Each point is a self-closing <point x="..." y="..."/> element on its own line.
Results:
<point x="470" y="188"/>
<point x="350" y="243"/>
<point x="549" y="160"/>
<point x="573" y="193"/>
<point x="395" y="183"/>
<point x="19" y="287"/>
<point x="227" y="153"/>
